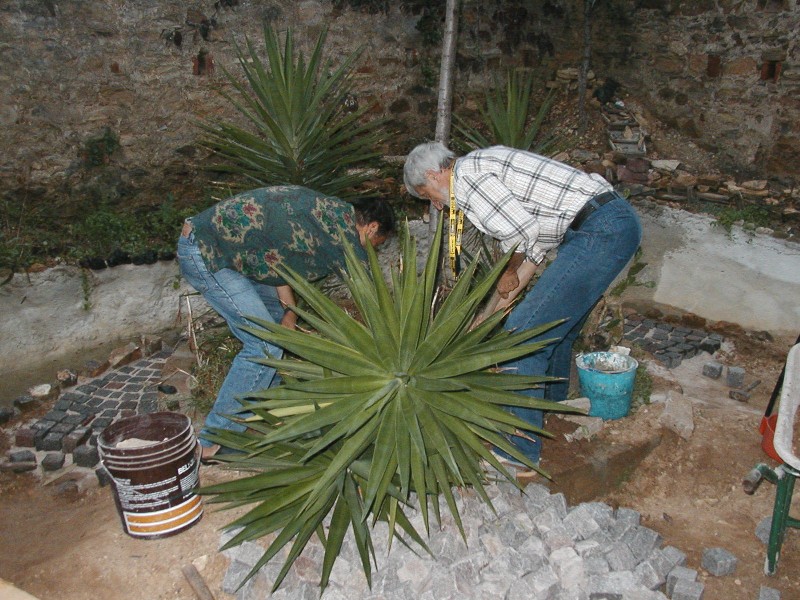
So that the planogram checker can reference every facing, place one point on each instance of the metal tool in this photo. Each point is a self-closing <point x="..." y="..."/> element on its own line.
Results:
<point x="743" y="395"/>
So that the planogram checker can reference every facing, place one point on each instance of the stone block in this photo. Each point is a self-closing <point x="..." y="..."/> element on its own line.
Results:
<point x="542" y="582"/>
<point x="75" y="439"/>
<point x="52" y="441"/>
<point x="642" y="541"/>
<point x="580" y="523"/>
<point x="17" y="456"/>
<point x="85" y="456"/>
<point x="628" y="515"/>
<point x="124" y="355"/>
<point x="620" y="557"/>
<point x="18" y="467"/>
<point x="687" y="590"/>
<point x="713" y="370"/>
<point x="718" y="561"/>
<point x="678" y="415"/>
<point x="710" y="345"/>
<point x="649" y="575"/>
<point x="25" y="437"/>
<point x="53" y="461"/>
<point x="735" y="377"/>
<point x="669" y="359"/>
<point x="103" y="477"/>
<point x="679" y="573"/>
<point x="768" y="593"/>
<point x="151" y="345"/>
<point x="44" y="392"/>
<point x="247" y="553"/>
<point x="611" y="585"/>
<point x="674" y="555"/>
<point x="66" y="378"/>
<point x="101" y="423"/>
<point x="568" y="566"/>
<point x="148" y="404"/>
<point x="93" y="368"/>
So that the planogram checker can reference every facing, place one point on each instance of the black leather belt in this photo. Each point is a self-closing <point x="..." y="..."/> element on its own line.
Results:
<point x="592" y="205"/>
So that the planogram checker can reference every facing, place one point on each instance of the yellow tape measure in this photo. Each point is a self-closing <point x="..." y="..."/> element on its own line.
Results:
<point x="456" y="227"/>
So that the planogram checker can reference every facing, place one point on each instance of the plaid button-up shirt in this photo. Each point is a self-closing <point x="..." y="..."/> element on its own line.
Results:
<point x="522" y="198"/>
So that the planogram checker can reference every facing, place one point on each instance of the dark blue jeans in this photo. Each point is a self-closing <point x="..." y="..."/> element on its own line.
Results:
<point x="588" y="260"/>
<point x="235" y="298"/>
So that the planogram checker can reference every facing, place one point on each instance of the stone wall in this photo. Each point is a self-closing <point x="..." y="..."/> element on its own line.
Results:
<point x="99" y="101"/>
<point x="726" y="73"/>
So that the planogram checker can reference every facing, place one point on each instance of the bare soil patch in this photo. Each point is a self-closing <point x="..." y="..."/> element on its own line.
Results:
<point x="73" y="548"/>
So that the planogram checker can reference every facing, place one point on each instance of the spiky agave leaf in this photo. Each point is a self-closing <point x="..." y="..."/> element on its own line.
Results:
<point x="377" y="414"/>
<point x="297" y="128"/>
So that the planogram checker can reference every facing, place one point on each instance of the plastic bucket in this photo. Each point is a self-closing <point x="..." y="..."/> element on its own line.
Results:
<point x="767" y="430"/>
<point x="606" y="379"/>
<point x="153" y="462"/>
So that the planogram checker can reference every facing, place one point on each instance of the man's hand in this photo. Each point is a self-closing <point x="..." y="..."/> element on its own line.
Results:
<point x="286" y="296"/>
<point x="289" y="320"/>
<point x="509" y="280"/>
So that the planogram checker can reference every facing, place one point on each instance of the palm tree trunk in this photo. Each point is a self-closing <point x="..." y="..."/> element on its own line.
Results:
<point x="445" y="106"/>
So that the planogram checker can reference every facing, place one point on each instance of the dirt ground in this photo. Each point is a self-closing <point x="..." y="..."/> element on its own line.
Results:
<point x="74" y="548"/>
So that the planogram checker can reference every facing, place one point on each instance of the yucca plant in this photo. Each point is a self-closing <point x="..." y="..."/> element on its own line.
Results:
<point x="376" y="413"/>
<point x="507" y="117"/>
<point x="299" y="129"/>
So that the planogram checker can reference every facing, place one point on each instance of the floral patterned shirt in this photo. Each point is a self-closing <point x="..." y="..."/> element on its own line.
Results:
<point x="283" y="226"/>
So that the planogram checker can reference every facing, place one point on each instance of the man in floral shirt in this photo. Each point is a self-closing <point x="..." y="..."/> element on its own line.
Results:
<point x="230" y="253"/>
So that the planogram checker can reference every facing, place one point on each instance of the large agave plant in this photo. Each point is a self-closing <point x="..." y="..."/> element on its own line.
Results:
<point x="376" y="413"/>
<point x="299" y="128"/>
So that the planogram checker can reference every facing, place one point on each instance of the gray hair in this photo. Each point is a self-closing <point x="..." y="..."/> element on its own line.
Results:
<point x="431" y="156"/>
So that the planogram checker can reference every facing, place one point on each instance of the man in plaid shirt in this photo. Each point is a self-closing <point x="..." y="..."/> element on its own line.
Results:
<point x="535" y="204"/>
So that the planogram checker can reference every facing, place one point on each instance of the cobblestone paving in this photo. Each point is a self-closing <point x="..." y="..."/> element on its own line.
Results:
<point x="669" y="344"/>
<point x="80" y="413"/>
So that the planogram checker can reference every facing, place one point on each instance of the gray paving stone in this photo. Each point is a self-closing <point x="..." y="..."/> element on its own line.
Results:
<point x="53" y="461"/>
<point x="718" y="561"/>
<point x="768" y="593"/>
<point x="687" y="590"/>
<point x="620" y="557"/>
<point x="712" y="370"/>
<point x="234" y="577"/>
<point x="19" y="456"/>
<point x="679" y="573"/>
<point x="642" y="541"/>
<point x="85" y="456"/>
<point x="735" y="377"/>
<point x="52" y="441"/>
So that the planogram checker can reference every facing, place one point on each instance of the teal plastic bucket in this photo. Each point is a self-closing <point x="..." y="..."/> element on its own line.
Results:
<point x="606" y="379"/>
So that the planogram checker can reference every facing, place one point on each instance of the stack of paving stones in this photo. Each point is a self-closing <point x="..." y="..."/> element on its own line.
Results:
<point x="534" y="546"/>
<point x="71" y="428"/>
<point x="669" y="344"/>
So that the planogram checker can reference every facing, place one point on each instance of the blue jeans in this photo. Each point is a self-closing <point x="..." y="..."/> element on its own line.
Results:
<point x="235" y="298"/>
<point x="588" y="260"/>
